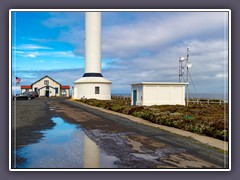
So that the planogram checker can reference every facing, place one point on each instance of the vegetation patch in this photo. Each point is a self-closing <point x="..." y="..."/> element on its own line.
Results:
<point x="205" y="119"/>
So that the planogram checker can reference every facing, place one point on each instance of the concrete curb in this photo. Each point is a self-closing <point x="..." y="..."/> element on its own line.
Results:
<point x="203" y="139"/>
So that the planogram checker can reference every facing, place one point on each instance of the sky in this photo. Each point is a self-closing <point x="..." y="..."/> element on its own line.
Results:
<point x="136" y="47"/>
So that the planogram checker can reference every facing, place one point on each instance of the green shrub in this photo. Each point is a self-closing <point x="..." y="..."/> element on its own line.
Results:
<point x="210" y="120"/>
<point x="117" y="108"/>
<point x="135" y="108"/>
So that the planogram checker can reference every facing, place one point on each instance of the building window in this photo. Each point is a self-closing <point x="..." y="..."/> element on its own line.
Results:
<point x="46" y="82"/>
<point x="47" y="87"/>
<point x="35" y="89"/>
<point x="56" y="90"/>
<point x="97" y="90"/>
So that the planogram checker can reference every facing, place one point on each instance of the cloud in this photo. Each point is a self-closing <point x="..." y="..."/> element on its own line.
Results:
<point x="74" y="36"/>
<point x="38" y="40"/>
<point x="31" y="47"/>
<point x="140" y="47"/>
<point x="153" y="34"/>
<point x="34" y="54"/>
<point x="15" y="88"/>
<point x="62" y="53"/>
<point x="62" y="19"/>
<point x="221" y="75"/>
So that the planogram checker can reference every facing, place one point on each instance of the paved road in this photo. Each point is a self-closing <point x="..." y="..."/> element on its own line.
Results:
<point x="136" y="145"/>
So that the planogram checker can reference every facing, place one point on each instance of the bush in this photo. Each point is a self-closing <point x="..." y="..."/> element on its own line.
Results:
<point x="117" y="108"/>
<point x="135" y="108"/>
<point x="210" y="120"/>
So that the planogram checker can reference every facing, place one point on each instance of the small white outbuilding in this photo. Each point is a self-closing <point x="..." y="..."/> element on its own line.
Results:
<point x="158" y="93"/>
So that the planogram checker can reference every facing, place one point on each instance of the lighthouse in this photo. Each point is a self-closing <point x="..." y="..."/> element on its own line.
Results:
<point x="92" y="85"/>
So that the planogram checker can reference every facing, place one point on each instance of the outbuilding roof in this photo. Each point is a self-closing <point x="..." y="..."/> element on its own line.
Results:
<point x="161" y="83"/>
<point x="26" y="87"/>
<point x="65" y="87"/>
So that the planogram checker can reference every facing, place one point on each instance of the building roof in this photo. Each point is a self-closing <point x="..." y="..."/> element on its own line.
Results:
<point x="45" y="77"/>
<point x="161" y="83"/>
<point x="30" y="86"/>
<point x="65" y="87"/>
<point x="26" y="87"/>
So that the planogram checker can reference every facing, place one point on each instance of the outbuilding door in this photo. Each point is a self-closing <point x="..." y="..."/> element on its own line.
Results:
<point x="134" y="97"/>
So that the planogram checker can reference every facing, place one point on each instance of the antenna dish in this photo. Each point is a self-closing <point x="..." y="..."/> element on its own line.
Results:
<point x="189" y="65"/>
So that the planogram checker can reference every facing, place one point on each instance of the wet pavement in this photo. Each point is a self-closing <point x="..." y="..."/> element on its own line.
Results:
<point x="86" y="138"/>
<point x="64" y="146"/>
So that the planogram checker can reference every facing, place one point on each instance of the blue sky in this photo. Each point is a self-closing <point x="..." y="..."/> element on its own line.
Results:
<point x="136" y="47"/>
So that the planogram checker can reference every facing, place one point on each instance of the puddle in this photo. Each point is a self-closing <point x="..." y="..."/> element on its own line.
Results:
<point x="65" y="146"/>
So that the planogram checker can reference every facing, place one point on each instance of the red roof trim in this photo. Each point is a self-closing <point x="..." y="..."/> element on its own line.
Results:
<point x="26" y="87"/>
<point x="65" y="87"/>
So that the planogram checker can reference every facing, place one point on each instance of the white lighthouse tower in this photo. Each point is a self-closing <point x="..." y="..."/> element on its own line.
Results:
<point x="92" y="84"/>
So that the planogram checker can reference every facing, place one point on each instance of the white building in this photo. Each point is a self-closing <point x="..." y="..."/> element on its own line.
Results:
<point x="48" y="87"/>
<point x="92" y="84"/>
<point x="158" y="93"/>
<point x="92" y="88"/>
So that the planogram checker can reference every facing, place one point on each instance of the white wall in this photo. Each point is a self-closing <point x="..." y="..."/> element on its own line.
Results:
<point x="93" y="42"/>
<point x="160" y="94"/>
<point x="87" y="90"/>
<point x="52" y="85"/>
<point x="24" y="90"/>
<point x="67" y="92"/>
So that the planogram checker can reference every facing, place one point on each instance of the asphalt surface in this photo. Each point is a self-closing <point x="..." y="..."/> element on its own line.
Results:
<point x="134" y="145"/>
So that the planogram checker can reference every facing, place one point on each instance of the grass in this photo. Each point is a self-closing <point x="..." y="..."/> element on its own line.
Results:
<point x="206" y="119"/>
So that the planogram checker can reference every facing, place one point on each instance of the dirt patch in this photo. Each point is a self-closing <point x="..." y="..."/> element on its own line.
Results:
<point x="187" y="161"/>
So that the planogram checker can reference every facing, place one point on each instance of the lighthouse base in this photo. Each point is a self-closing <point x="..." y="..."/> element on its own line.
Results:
<point x="92" y="88"/>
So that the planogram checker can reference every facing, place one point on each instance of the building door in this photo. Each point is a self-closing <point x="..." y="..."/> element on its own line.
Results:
<point x="134" y="97"/>
<point x="47" y="93"/>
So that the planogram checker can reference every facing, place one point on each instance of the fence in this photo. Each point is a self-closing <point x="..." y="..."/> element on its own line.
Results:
<point x="208" y="101"/>
<point x="121" y="97"/>
<point x="193" y="101"/>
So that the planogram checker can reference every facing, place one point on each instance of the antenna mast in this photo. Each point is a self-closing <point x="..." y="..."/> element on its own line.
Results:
<point x="184" y="64"/>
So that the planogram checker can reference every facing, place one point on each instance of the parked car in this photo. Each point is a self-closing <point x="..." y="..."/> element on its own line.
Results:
<point x="25" y="95"/>
<point x="34" y="93"/>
